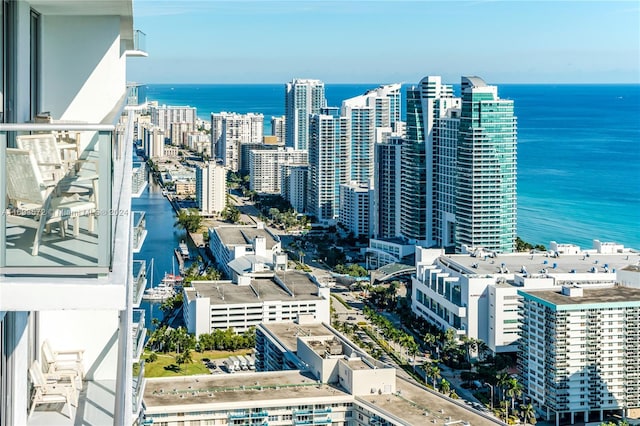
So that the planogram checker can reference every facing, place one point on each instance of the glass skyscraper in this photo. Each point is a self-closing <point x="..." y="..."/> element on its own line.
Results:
<point x="486" y="170"/>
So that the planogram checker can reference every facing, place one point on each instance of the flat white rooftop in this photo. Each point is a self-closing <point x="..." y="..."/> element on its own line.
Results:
<point x="535" y="263"/>
<point x="288" y="333"/>
<point x="243" y="235"/>
<point x="260" y="290"/>
<point x="160" y="394"/>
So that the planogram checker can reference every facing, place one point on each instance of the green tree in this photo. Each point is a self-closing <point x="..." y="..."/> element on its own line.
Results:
<point x="230" y="213"/>
<point x="189" y="220"/>
<point x="528" y="414"/>
<point x="432" y="371"/>
<point x="445" y="387"/>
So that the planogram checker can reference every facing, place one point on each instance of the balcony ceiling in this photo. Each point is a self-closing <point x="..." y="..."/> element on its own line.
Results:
<point x="85" y="7"/>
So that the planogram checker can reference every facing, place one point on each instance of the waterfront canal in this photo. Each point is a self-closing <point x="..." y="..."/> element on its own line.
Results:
<point x="162" y="238"/>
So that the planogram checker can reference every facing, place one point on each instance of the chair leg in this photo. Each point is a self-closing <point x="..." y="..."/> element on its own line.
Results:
<point x="76" y="226"/>
<point x="33" y="407"/>
<point x="36" y="239"/>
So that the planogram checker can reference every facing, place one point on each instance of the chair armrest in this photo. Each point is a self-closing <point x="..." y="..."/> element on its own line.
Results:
<point x="77" y="352"/>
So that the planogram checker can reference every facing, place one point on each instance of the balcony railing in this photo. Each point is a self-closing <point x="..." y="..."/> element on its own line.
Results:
<point x="139" y="383"/>
<point x="139" y="333"/>
<point x="140" y="41"/>
<point x="139" y="281"/>
<point x="58" y="197"/>
<point x="139" y="230"/>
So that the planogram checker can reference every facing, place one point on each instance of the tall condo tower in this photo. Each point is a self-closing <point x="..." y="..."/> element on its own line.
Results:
<point x="413" y="214"/>
<point x="302" y="98"/>
<point x="371" y="114"/>
<point x="229" y="131"/>
<point x="329" y="158"/>
<point x="386" y="200"/>
<point x="486" y="170"/>
<point x="211" y="188"/>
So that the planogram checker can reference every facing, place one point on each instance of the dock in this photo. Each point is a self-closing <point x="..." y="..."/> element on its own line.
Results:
<point x="180" y="260"/>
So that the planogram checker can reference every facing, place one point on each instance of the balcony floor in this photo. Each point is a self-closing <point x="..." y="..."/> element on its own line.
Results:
<point x="54" y="249"/>
<point x="95" y="407"/>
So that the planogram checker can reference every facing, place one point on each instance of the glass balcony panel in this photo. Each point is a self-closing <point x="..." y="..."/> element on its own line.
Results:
<point x="140" y="41"/>
<point x="56" y="198"/>
<point x="139" y="281"/>
<point x="139" y="230"/>
<point x="139" y="383"/>
<point x="139" y="333"/>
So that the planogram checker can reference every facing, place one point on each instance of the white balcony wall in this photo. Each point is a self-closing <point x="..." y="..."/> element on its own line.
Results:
<point x="96" y="332"/>
<point x="83" y="71"/>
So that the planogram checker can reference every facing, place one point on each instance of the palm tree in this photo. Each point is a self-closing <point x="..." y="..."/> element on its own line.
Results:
<point x="445" y="387"/>
<point x="514" y="390"/>
<point x="502" y="383"/>
<point x="429" y="340"/>
<point x="528" y="414"/>
<point x="433" y="372"/>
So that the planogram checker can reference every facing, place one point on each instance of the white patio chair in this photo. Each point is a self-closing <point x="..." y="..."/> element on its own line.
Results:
<point x="34" y="203"/>
<point x="50" y="391"/>
<point x="64" y="363"/>
<point x="55" y="166"/>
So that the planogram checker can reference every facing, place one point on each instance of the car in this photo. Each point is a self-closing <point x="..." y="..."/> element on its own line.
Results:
<point x="351" y="318"/>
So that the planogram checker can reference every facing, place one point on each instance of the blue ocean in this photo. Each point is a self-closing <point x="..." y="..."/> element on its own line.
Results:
<point x="578" y="151"/>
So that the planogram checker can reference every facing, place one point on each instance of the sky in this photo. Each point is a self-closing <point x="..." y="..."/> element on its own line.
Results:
<point x="352" y="41"/>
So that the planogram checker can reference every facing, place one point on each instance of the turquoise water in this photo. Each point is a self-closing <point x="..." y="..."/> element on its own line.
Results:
<point x="578" y="151"/>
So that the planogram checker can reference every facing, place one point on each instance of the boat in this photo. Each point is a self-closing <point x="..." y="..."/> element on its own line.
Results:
<point x="158" y="293"/>
<point x="184" y="250"/>
<point x="165" y="192"/>
<point x="164" y="290"/>
<point x="172" y="280"/>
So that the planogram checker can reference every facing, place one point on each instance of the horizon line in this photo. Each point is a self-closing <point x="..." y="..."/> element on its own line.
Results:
<point x="396" y="82"/>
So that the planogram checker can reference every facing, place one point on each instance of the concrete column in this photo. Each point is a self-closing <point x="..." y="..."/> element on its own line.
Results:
<point x="548" y="414"/>
<point x="573" y="418"/>
<point x="586" y="416"/>
<point x="601" y="415"/>
<point x="17" y="350"/>
<point x="557" y="419"/>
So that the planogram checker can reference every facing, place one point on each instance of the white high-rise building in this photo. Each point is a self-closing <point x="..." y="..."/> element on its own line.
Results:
<point x="580" y="352"/>
<point x="179" y="131"/>
<point x="153" y="141"/>
<point x="279" y="128"/>
<point x="302" y="98"/>
<point x="71" y="290"/>
<point x="294" y="181"/>
<point x="211" y="188"/>
<point x="329" y="158"/>
<point x="372" y="116"/>
<point x="354" y="208"/>
<point x="163" y="116"/>
<point x="230" y="130"/>
<point x="265" y="167"/>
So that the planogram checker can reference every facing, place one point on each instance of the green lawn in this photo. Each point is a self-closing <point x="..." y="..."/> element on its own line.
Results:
<point x="157" y="368"/>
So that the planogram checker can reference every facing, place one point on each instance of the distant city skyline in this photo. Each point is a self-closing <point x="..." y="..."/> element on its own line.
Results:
<point x="210" y="41"/>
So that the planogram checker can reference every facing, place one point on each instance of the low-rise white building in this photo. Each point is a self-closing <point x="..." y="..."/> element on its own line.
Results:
<point x="383" y="251"/>
<point x="477" y="293"/>
<point x="264" y="297"/>
<point x="228" y="243"/>
<point x="329" y="381"/>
